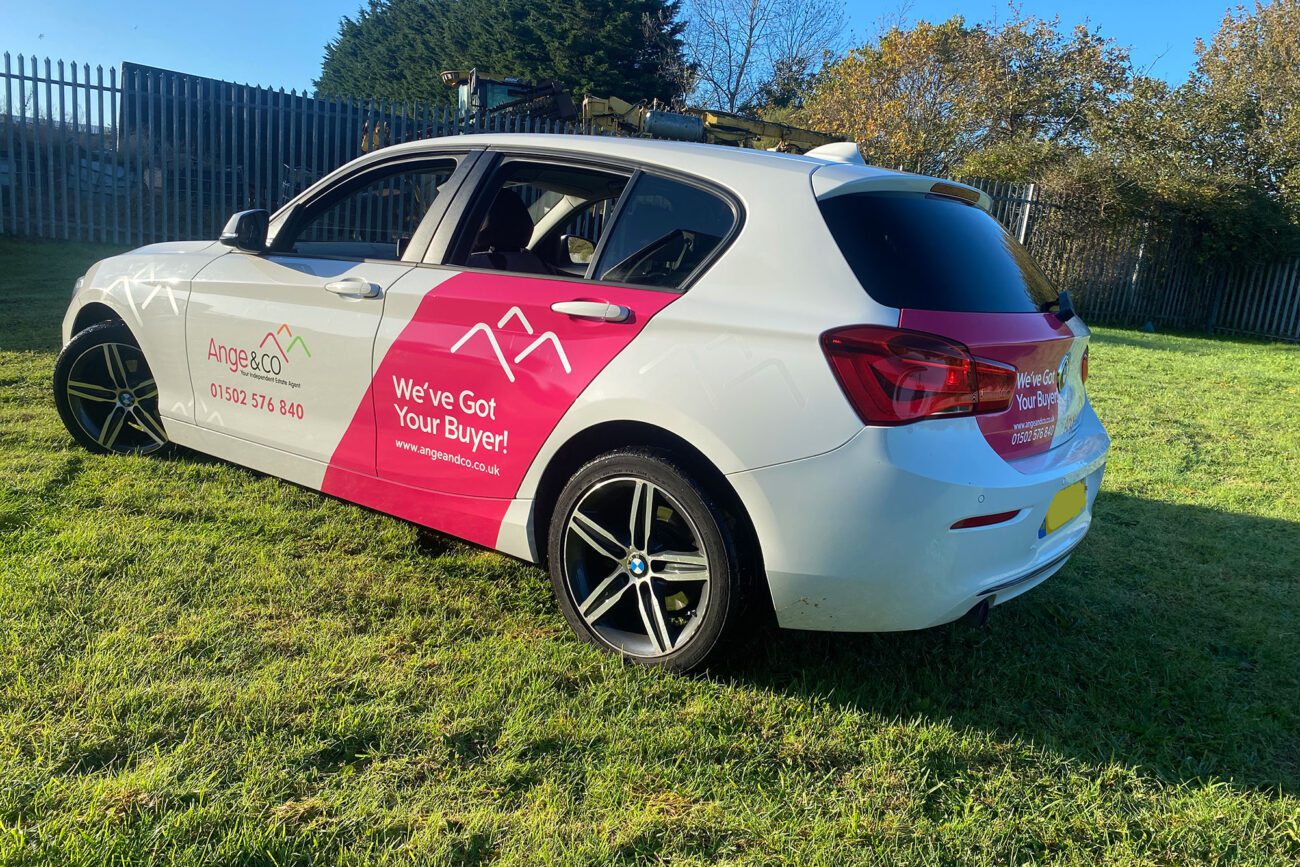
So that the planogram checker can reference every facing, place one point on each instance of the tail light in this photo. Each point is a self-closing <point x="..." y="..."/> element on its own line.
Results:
<point x="892" y="376"/>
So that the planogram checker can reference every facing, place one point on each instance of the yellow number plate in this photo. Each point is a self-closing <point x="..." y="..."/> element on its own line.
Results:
<point x="1066" y="505"/>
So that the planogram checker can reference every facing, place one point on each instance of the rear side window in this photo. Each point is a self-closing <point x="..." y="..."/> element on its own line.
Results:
<point x="663" y="233"/>
<point x="927" y="252"/>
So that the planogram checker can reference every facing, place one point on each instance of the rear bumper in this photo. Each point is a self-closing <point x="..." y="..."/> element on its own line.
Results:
<point x="859" y="539"/>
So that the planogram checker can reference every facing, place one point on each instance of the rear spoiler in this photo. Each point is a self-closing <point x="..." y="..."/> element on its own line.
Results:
<point x="836" y="180"/>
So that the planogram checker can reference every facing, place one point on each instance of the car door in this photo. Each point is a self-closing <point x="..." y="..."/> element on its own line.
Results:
<point x="479" y="365"/>
<point x="280" y="344"/>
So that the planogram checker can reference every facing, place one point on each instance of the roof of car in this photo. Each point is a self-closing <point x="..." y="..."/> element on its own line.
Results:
<point x="720" y="162"/>
<point x="744" y="170"/>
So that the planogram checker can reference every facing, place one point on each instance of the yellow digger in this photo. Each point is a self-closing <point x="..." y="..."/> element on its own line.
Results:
<point x="481" y="93"/>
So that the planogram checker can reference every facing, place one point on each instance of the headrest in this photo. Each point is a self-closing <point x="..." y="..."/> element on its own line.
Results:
<point x="507" y="226"/>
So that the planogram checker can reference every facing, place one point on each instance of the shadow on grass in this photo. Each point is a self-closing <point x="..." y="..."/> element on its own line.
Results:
<point x="1167" y="643"/>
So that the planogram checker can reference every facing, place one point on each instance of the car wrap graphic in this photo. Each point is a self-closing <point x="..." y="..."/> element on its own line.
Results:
<point x="294" y="342"/>
<point x="514" y="313"/>
<point x="267" y="364"/>
<point x="1047" y="355"/>
<point x="464" y="398"/>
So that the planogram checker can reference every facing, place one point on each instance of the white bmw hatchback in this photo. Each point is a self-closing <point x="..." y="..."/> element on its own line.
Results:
<point x="698" y="383"/>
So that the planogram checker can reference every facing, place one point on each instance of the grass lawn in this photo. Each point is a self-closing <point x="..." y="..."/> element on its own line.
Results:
<point x="203" y="665"/>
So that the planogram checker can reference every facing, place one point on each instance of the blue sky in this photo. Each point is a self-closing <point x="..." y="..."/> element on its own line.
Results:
<point x="280" y="42"/>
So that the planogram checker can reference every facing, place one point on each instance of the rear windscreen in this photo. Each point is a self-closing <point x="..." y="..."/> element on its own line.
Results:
<point x="927" y="252"/>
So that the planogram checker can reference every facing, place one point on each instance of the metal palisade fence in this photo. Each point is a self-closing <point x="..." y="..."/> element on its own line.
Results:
<point x="144" y="154"/>
<point x="1142" y="270"/>
<point x="141" y="154"/>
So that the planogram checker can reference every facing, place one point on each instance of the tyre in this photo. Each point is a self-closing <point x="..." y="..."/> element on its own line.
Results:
<point x="106" y="394"/>
<point x="645" y="564"/>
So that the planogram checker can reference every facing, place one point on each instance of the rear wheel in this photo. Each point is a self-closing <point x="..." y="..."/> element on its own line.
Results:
<point x="106" y="394"/>
<point x="645" y="564"/>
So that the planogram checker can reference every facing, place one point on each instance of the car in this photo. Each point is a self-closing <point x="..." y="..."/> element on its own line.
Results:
<point x="705" y="387"/>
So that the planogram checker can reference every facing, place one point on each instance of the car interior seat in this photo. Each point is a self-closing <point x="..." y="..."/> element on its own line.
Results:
<point x="503" y="237"/>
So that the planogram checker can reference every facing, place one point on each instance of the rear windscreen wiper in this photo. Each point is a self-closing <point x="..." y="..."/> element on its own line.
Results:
<point x="1064" y="309"/>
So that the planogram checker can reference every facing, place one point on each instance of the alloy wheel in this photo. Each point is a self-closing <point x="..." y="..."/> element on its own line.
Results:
<point x="635" y="567"/>
<point x="114" y="398"/>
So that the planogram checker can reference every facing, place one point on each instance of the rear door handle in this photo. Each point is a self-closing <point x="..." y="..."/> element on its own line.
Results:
<point x="601" y="310"/>
<point x="352" y="287"/>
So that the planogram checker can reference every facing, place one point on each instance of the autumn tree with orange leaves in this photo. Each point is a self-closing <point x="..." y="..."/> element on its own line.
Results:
<point x="1027" y="100"/>
<point x="956" y="98"/>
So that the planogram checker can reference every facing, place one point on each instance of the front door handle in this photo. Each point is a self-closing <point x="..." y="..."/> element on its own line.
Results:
<point x="592" y="310"/>
<point x="352" y="287"/>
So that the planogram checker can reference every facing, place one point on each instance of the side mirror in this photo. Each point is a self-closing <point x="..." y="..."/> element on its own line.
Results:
<point x="246" y="231"/>
<point x="577" y="248"/>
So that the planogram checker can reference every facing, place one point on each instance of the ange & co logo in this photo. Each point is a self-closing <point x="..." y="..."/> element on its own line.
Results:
<point x="544" y="339"/>
<point x="271" y="356"/>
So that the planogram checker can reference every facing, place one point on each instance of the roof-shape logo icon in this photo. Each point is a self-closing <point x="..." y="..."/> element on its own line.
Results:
<point x="543" y="339"/>
<point x="283" y="349"/>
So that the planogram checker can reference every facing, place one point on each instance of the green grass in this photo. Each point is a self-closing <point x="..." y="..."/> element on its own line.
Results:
<point x="203" y="665"/>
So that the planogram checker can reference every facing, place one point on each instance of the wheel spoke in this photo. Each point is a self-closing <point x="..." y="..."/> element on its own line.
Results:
<point x="652" y="618"/>
<point x="112" y="427"/>
<point x="150" y="425"/>
<point x="116" y="370"/>
<point x="605" y="595"/>
<point x="643" y="514"/>
<point x="680" y="566"/>
<point x="91" y="391"/>
<point x="597" y="536"/>
<point x="145" y="390"/>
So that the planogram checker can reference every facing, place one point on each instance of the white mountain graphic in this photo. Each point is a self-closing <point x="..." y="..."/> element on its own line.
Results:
<point x="515" y="313"/>
<point x="492" y="339"/>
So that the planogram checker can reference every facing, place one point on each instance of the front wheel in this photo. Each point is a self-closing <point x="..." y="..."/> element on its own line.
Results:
<point x="645" y="564"/>
<point x="106" y="394"/>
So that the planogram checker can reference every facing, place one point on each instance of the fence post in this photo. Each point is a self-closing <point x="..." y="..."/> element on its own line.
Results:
<point x="9" y="149"/>
<point x="23" y="142"/>
<point x="63" y="150"/>
<point x="76" y="163"/>
<point x="38" y="176"/>
<point x="1022" y="232"/>
<point x="1216" y="301"/>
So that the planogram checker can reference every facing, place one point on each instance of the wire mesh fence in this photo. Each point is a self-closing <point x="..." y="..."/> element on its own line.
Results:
<point x="138" y="154"/>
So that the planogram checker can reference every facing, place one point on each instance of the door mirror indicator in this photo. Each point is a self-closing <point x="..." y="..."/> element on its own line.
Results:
<point x="246" y="230"/>
<point x="577" y="248"/>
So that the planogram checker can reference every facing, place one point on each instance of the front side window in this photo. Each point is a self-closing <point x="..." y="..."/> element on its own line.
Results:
<point x="664" y="233"/>
<point x="374" y="217"/>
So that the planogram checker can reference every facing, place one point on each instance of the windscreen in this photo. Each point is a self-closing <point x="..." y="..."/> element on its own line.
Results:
<point x="919" y="251"/>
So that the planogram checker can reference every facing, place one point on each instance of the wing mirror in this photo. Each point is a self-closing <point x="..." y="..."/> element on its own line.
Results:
<point x="246" y="231"/>
<point x="577" y="248"/>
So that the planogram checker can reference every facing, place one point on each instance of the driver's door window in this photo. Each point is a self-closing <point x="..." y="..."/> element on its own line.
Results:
<point x="373" y="219"/>
<point x="665" y="231"/>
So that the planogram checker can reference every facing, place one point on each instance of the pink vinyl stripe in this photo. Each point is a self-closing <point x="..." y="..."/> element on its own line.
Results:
<point x="468" y="393"/>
